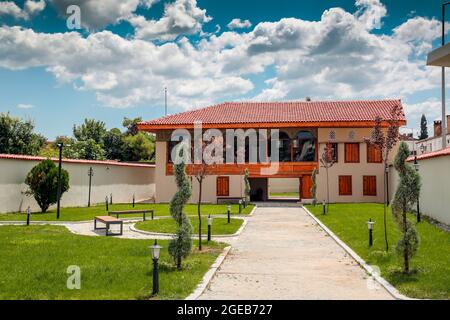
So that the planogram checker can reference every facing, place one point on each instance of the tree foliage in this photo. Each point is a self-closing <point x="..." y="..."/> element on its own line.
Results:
<point x="406" y="195"/>
<point x="423" y="128"/>
<point x="90" y="130"/>
<point x="314" y="186"/>
<point x="247" y="188"/>
<point x="181" y="245"/>
<point x="42" y="181"/>
<point x="138" y="147"/>
<point x="385" y="142"/>
<point x="17" y="136"/>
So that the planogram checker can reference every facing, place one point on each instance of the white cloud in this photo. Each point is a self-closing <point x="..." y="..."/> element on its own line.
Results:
<point x="31" y="8"/>
<point x="335" y="57"/>
<point x="239" y="24"/>
<point x="181" y="17"/>
<point x="370" y="13"/>
<point x="25" y="106"/>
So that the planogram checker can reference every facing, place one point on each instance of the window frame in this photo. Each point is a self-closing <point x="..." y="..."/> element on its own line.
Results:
<point x="369" y="159"/>
<point x="365" y="186"/>
<point x="218" y="190"/>
<point x="341" y="192"/>
<point x="346" y="156"/>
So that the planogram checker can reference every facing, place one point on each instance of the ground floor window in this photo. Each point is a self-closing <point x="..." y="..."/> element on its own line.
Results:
<point x="370" y="185"/>
<point x="345" y="185"/>
<point x="223" y="186"/>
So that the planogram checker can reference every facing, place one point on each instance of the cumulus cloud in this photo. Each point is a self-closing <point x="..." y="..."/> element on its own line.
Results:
<point x="30" y="8"/>
<point x="370" y="13"/>
<point x="335" y="57"/>
<point x="182" y="17"/>
<point x="239" y="24"/>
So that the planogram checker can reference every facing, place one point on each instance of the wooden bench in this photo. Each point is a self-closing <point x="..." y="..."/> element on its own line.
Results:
<point x="118" y="213"/>
<point x="108" y="221"/>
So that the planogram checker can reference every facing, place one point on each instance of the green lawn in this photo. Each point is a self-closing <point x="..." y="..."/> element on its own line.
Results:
<point x="34" y="261"/>
<point x="432" y="262"/>
<point x="220" y="226"/>
<point x="84" y="213"/>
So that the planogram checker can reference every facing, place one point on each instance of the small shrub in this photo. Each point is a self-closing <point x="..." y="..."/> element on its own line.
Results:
<point x="42" y="181"/>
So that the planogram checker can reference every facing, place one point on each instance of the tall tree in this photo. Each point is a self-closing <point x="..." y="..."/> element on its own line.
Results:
<point x="139" y="147"/>
<point x="385" y="142"/>
<point x="423" y="128"/>
<point x="18" y="137"/>
<point x="327" y="161"/>
<point x="90" y="129"/>
<point x="406" y="195"/>
<point x="314" y="186"/>
<point x="131" y="125"/>
<point x="114" y="144"/>
<point x="181" y="245"/>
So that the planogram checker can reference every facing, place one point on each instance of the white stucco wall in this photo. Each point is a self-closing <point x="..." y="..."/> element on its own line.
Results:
<point x="282" y="185"/>
<point x="435" y="193"/>
<point x="121" y="181"/>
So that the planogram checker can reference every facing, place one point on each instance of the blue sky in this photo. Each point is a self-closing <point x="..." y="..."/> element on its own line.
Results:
<point x="127" y="51"/>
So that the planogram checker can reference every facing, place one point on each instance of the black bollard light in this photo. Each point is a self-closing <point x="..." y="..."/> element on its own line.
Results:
<point x="210" y="220"/>
<point x="134" y="199"/>
<point x="110" y="198"/>
<point x="28" y="216"/>
<point x="155" y="251"/>
<point x="324" y="207"/>
<point x="229" y="212"/>
<point x="240" y="206"/>
<point x="106" y="204"/>
<point x="370" y="227"/>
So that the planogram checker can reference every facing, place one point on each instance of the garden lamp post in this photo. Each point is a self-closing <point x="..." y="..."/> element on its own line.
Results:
<point x="228" y="212"/>
<point x="155" y="251"/>
<point x="417" y="166"/>
<point x="110" y="198"/>
<point x="324" y="207"/>
<point x="28" y="216"/>
<point x="58" y="194"/>
<point x="90" y="175"/>
<point x="240" y="206"/>
<point x="370" y="224"/>
<point x="106" y="203"/>
<point x="210" y="220"/>
<point x="134" y="199"/>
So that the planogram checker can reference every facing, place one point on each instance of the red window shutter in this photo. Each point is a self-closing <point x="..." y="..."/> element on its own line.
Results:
<point x="373" y="154"/>
<point x="370" y="185"/>
<point x="223" y="186"/>
<point x="352" y="152"/>
<point x="345" y="185"/>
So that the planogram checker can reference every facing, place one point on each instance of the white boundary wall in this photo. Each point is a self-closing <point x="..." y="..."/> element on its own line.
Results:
<point x="122" y="180"/>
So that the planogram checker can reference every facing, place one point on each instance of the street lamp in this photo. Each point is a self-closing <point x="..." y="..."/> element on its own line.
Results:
<point x="58" y="194"/>
<point x="228" y="212"/>
<point x="210" y="220"/>
<point x="370" y="224"/>
<point x="90" y="175"/>
<point x="155" y="251"/>
<point x="417" y="166"/>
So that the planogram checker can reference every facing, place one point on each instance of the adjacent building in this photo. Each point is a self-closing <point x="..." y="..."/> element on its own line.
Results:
<point x="305" y="129"/>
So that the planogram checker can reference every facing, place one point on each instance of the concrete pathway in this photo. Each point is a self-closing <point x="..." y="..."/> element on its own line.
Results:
<point x="284" y="254"/>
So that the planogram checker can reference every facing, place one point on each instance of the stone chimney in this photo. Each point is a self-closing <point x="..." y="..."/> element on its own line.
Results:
<point x="437" y="128"/>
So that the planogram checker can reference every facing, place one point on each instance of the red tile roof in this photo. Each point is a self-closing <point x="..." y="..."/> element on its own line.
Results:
<point x="280" y="112"/>
<point x="434" y="154"/>
<point x="109" y="162"/>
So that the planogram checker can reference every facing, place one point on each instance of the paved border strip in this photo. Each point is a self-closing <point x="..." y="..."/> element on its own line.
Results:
<point x="209" y="275"/>
<point x="389" y="287"/>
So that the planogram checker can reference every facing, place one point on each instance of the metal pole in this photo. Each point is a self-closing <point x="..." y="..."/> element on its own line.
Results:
<point x="106" y="203"/>
<point x="155" y="278"/>
<point x="165" y="100"/>
<point x="229" y="213"/>
<point x="133" y="200"/>
<point x="209" y="232"/>
<point x="370" y="237"/>
<point x="28" y="216"/>
<point x="90" y="174"/>
<point x="58" y="205"/>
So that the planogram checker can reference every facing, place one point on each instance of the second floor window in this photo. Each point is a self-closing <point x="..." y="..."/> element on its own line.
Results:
<point x="352" y="152"/>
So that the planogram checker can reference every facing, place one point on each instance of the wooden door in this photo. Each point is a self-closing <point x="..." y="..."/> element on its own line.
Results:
<point x="305" y="187"/>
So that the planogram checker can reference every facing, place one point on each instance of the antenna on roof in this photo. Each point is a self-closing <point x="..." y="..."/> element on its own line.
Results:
<point x="165" y="100"/>
<point x="308" y="99"/>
